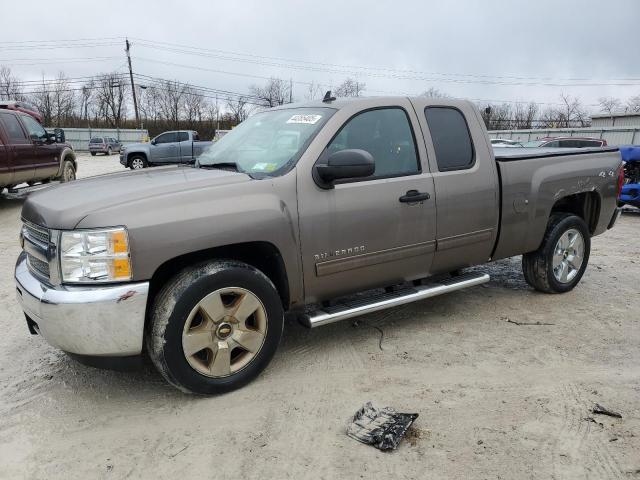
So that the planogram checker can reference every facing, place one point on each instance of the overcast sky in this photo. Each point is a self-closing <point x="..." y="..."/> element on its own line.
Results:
<point x="490" y="49"/>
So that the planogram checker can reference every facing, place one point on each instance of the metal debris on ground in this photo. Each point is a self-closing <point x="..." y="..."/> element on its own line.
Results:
<point x="382" y="428"/>
<point x="600" y="410"/>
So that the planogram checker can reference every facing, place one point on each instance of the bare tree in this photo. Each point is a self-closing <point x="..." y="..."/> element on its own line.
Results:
<point x="194" y="106"/>
<point x="433" y="92"/>
<point x="171" y="96"/>
<point x="55" y="100"/>
<point x="524" y="115"/>
<point x="275" y="92"/>
<point x="10" y="86"/>
<point x="497" y="117"/>
<point x="314" y="91"/>
<point x="609" y="104"/>
<point x="633" y="104"/>
<point x="350" y="88"/>
<point x="85" y="100"/>
<point x="238" y="109"/>
<point x="571" y="111"/>
<point x="111" y="93"/>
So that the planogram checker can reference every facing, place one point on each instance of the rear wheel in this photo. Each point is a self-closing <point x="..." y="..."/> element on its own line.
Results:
<point x="93" y="154"/>
<point x="109" y="151"/>
<point x="214" y="327"/>
<point x="558" y="265"/>
<point x="136" y="163"/>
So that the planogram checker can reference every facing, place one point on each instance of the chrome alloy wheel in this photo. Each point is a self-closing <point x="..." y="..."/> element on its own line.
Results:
<point x="568" y="256"/>
<point x="224" y="332"/>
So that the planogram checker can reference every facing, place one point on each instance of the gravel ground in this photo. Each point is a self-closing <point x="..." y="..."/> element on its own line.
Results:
<point x="496" y="399"/>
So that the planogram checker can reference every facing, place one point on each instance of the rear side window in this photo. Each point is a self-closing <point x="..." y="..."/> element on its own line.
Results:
<point x="451" y="138"/>
<point x="183" y="136"/>
<point x="386" y="134"/>
<point x="13" y="128"/>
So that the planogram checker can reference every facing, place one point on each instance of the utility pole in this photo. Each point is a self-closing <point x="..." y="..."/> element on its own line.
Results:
<point x="133" y="87"/>
<point x="290" y="90"/>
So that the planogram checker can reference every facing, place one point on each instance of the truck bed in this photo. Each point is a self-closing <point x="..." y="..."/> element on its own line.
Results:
<point x="529" y="190"/>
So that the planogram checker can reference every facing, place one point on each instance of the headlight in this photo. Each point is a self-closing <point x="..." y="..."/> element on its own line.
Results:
<point x="95" y="256"/>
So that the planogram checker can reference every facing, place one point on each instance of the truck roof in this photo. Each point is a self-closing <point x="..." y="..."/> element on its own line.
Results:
<point x="342" y="102"/>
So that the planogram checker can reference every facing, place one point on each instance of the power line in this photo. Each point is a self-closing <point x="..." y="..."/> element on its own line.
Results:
<point x="391" y="73"/>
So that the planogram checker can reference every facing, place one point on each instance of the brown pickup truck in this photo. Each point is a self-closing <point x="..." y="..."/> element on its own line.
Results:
<point x="29" y="154"/>
<point x="325" y="210"/>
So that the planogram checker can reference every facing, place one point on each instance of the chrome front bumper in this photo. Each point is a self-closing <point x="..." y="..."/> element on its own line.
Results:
<point x="102" y="320"/>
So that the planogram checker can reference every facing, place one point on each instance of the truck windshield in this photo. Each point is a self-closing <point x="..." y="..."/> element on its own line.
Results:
<point x="268" y="143"/>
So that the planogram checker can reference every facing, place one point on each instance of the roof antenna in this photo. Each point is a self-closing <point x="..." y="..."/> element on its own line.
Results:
<point x="327" y="97"/>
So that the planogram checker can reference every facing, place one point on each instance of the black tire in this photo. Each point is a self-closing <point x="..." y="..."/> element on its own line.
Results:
<point x="68" y="172"/>
<point x="108" y="151"/>
<point x="138" y="160"/>
<point x="176" y="300"/>
<point x="93" y="154"/>
<point x="538" y="266"/>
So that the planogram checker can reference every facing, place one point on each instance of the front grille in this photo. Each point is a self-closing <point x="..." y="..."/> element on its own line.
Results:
<point x="37" y="233"/>
<point x="38" y="265"/>
<point x="37" y="244"/>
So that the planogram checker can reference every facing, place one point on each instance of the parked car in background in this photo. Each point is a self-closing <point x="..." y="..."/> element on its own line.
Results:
<point x="23" y="107"/>
<point x="503" y="142"/>
<point x="295" y="210"/>
<point x="630" y="194"/>
<point x="566" y="142"/>
<point x="181" y="146"/>
<point x="28" y="153"/>
<point x="106" y="145"/>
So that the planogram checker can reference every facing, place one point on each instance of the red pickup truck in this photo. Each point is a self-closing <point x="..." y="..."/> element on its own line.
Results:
<point x="29" y="154"/>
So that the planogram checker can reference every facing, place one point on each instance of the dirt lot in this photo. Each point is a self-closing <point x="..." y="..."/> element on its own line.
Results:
<point x="496" y="399"/>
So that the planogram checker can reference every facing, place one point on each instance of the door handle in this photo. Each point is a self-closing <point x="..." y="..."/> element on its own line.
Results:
<point x="414" y="196"/>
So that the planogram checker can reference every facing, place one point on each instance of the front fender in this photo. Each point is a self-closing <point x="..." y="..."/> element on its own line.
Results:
<point x="67" y="154"/>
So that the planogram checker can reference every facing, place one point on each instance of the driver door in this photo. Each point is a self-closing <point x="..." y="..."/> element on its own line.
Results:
<point x="361" y="234"/>
<point x="45" y="153"/>
<point x="165" y="149"/>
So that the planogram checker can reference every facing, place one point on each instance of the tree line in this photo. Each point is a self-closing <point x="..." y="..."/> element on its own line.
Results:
<point x="105" y="101"/>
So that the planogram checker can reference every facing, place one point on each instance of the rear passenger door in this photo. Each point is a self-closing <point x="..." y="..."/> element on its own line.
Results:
<point x="21" y="150"/>
<point x="185" y="147"/>
<point x="466" y="182"/>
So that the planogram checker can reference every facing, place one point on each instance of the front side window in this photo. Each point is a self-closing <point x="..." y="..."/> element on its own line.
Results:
<point x="12" y="127"/>
<point x="268" y="143"/>
<point x="386" y="134"/>
<point x="170" y="137"/>
<point x="34" y="128"/>
<point x="451" y="138"/>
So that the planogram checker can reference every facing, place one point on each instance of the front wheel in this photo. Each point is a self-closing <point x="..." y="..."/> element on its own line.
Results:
<point x="137" y="163"/>
<point x="558" y="265"/>
<point x="214" y="327"/>
<point x="68" y="172"/>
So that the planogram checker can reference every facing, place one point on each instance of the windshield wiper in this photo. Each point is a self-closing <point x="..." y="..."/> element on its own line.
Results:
<point x="231" y="166"/>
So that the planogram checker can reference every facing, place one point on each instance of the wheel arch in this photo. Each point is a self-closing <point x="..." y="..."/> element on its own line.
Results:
<point x="585" y="205"/>
<point x="262" y="255"/>
<point x="130" y="155"/>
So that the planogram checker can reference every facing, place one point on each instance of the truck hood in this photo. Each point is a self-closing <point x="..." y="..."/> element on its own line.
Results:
<point x="64" y="206"/>
<point x="135" y="146"/>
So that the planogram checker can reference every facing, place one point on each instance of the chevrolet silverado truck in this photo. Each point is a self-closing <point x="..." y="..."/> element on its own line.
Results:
<point x="322" y="211"/>
<point x="182" y="146"/>
<point x="29" y="154"/>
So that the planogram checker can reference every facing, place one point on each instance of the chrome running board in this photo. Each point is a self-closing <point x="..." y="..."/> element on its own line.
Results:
<point x="360" y="306"/>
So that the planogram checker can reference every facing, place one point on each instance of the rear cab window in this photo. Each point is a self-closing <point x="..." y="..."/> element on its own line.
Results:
<point x="451" y="138"/>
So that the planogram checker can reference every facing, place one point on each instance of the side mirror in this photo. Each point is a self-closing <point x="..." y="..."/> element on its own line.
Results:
<point x="59" y="134"/>
<point x="153" y="142"/>
<point x="352" y="163"/>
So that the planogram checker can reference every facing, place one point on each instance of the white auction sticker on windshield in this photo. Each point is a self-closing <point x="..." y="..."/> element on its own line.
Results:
<point x="308" y="119"/>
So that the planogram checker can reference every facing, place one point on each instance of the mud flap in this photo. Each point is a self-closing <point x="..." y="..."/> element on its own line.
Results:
<point x="381" y="428"/>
